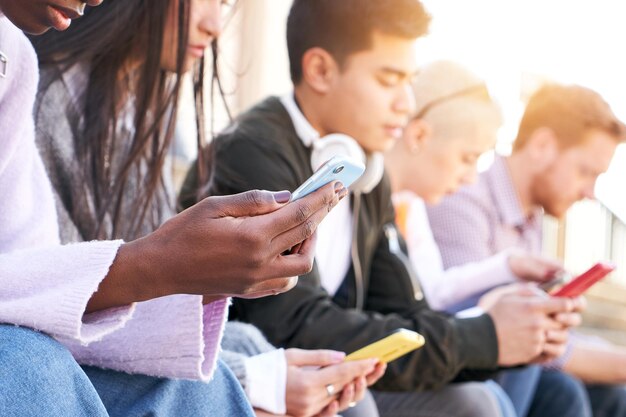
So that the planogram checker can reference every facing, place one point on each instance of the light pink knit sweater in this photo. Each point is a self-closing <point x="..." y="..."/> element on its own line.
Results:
<point x="46" y="286"/>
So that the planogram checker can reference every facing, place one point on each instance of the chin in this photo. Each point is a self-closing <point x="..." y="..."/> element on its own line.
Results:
<point x="30" y="27"/>
<point x="433" y="199"/>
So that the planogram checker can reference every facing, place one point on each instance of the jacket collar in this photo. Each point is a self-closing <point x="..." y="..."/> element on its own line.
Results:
<point x="304" y="130"/>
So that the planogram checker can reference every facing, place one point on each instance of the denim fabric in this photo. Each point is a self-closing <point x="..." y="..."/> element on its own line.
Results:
<point x="39" y="377"/>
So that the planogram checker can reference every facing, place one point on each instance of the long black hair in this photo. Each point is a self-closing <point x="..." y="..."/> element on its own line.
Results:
<point x="122" y="42"/>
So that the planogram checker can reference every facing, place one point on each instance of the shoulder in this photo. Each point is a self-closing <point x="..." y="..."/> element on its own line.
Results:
<point x="262" y="142"/>
<point x="18" y="86"/>
<point x="267" y="124"/>
<point x="473" y="196"/>
<point x="20" y="58"/>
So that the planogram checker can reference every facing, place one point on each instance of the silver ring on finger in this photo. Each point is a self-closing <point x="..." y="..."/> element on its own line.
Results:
<point x="330" y="390"/>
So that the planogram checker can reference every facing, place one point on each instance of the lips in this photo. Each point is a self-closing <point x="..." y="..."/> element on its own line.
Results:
<point x="68" y="12"/>
<point x="394" y="131"/>
<point x="197" y="50"/>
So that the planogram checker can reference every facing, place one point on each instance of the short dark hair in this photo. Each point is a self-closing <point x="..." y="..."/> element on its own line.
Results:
<point x="570" y="111"/>
<point x="342" y="27"/>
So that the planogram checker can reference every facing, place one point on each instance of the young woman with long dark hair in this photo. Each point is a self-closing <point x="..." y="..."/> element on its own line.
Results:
<point x="54" y="288"/>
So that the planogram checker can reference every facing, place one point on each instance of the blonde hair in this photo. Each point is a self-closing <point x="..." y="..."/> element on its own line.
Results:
<point x="571" y="111"/>
<point x="447" y="94"/>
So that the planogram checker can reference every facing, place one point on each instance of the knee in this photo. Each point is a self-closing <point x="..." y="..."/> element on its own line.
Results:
<point x="33" y="356"/>
<point x="478" y="401"/>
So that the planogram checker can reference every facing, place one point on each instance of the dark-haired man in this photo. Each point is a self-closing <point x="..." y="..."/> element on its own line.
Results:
<point x="351" y="64"/>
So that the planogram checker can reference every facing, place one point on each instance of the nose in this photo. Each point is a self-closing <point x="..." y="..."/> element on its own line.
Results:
<point x="589" y="192"/>
<point x="210" y="21"/>
<point x="405" y="100"/>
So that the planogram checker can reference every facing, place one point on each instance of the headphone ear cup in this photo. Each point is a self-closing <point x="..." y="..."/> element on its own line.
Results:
<point x="335" y="144"/>
<point x="374" y="171"/>
<point x="338" y="144"/>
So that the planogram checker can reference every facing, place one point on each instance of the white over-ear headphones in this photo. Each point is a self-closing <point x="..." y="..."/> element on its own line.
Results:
<point x="338" y="144"/>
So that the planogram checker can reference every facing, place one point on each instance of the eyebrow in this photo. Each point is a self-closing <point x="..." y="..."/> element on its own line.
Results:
<point x="398" y="72"/>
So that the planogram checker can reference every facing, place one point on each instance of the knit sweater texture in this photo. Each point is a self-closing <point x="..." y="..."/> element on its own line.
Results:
<point x="46" y="286"/>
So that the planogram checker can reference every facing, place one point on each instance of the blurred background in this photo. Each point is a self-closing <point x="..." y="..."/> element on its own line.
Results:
<point x="514" y="46"/>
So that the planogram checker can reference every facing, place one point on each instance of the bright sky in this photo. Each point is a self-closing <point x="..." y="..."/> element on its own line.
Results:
<point x="514" y="44"/>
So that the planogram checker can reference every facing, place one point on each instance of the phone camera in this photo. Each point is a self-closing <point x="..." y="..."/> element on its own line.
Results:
<point x="338" y="169"/>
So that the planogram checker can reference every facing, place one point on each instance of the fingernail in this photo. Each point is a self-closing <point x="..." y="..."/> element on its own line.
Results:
<point x="282" y="197"/>
<point x="338" y="187"/>
<point x="341" y="194"/>
<point x="338" y="356"/>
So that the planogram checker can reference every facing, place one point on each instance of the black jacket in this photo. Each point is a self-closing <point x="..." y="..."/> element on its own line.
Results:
<point x="262" y="151"/>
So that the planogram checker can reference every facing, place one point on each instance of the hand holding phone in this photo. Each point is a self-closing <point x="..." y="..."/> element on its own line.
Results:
<point x="390" y="348"/>
<point x="581" y="283"/>
<point x="338" y="168"/>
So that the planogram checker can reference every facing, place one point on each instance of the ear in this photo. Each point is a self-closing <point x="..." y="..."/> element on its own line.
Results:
<point x="319" y="69"/>
<point x="543" y="147"/>
<point x="417" y="134"/>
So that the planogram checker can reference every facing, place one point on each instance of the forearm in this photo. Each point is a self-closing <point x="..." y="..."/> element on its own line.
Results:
<point x="129" y="280"/>
<point x="597" y="363"/>
<point x="458" y="283"/>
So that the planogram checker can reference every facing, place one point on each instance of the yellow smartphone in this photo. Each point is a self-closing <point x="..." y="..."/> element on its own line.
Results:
<point x="390" y="348"/>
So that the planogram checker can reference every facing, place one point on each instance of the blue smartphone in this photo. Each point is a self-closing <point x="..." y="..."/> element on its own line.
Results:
<point x="338" y="168"/>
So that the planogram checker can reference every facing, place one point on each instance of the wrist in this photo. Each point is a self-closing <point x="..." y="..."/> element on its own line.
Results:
<point x="137" y="270"/>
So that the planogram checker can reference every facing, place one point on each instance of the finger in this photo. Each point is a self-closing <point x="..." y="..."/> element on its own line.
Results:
<point x="345" y="372"/>
<point x="268" y="287"/>
<point x="248" y="204"/>
<point x="378" y="372"/>
<point x="298" y="212"/>
<point x="296" y="263"/>
<point x="554" y="350"/>
<point x="580" y="303"/>
<point x="346" y="397"/>
<point x="331" y="410"/>
<point x="360" y="386"/>
<point x="552" y="305"/>
<point x="539" y="271"/>
<point x="301" y="357"/>
<point x="302" y="231"/>
<point x="307" y="247"/>
<point x="557" y="336"/>
<point x="568" y="319"/>
<point x="527" y="290"/>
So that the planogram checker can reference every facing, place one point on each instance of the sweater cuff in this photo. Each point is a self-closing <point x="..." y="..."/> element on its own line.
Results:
<point x="94" y="326"/>
<point x="266" y="381"/>
<point x="48" y="288"/>
<point x="168" y="337"/>
<point x="214" y="320"/>
<point x="478" y="342"/>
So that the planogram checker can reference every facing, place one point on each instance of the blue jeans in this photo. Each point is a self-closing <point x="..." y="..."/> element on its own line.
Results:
<point x="39" y="377"/>
<point x="521" y="385"/>
<point x="539" y="392"/>
<point x="559" y="394"/>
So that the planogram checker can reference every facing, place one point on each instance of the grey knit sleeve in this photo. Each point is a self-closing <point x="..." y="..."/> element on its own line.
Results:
<point x="241" y="341"/>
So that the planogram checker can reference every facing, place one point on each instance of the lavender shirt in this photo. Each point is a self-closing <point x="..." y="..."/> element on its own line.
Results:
<point x="477" y="227"/>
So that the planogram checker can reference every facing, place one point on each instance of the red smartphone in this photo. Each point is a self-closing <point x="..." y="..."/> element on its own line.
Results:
<point x="581" y="283"/>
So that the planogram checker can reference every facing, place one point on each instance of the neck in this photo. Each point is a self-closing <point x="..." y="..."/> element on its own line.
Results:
<point x="522" y="181"/>
<point x="394" y="169"/>
<point x="307" y="102"/>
